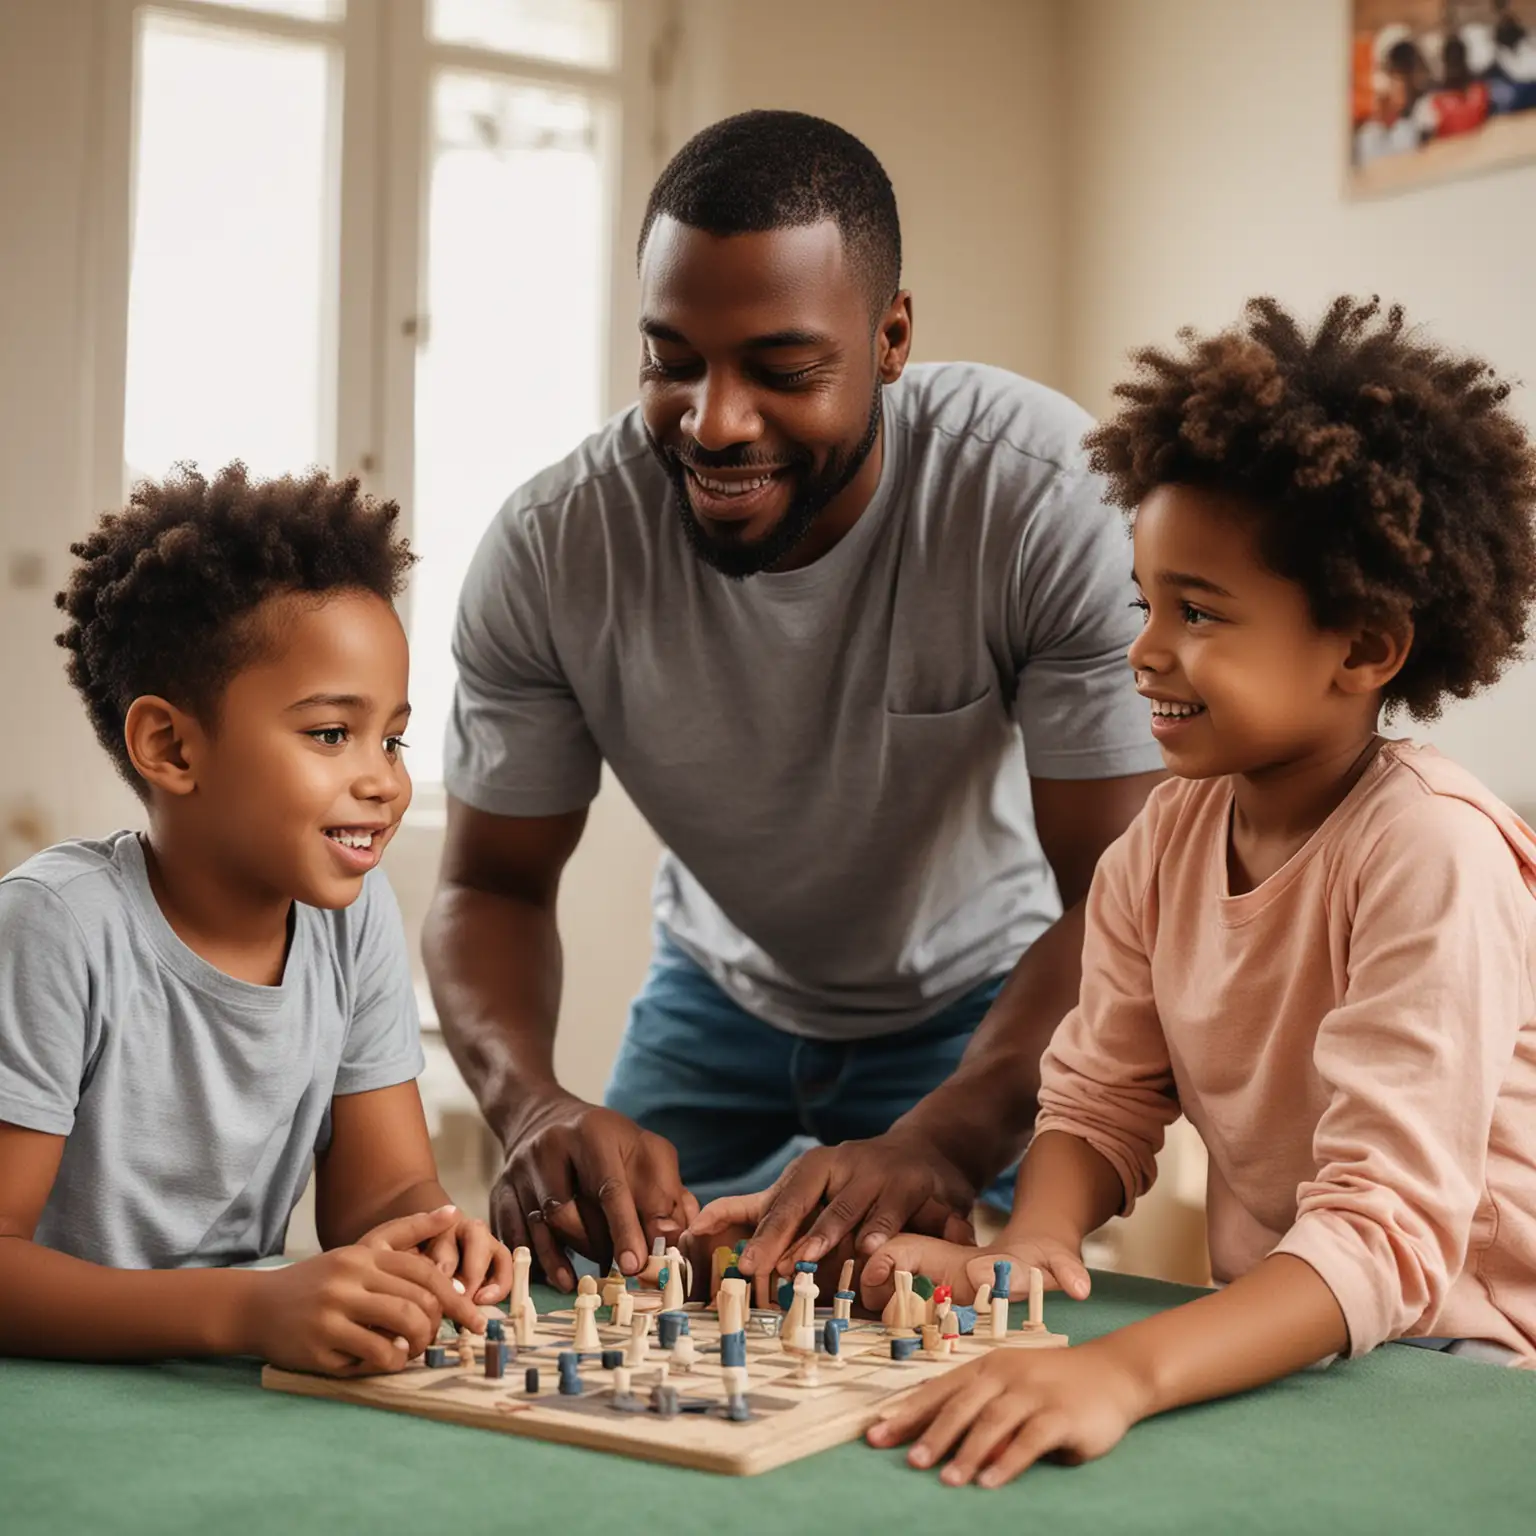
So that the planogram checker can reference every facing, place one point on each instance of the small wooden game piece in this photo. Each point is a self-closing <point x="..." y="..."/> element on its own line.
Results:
<point x="570" y="1374"/>
<point x="930" y="1338"/>
<point x="587" y="1286"/>
<point x="621" y="1380"/>
<point x="669" y="1325"/>
<point x="520" y="1309"/>
<point x="983" y="1302"/>
<point x="437" y="1357"/>
<point x="586" y="1340"/>
<point x="899" y="1308"/>
<point x="1036" y="1321"/>
<point x="466" y="1350"/>
<point x="494" y="1359"/>
<point x="684" y="1353"/>
<point x="674" y="1290"/>
<point x="624" y="1309"/>
<point x="613" y="1286"/>
<point x="734" y="1378"/>
<point x="903" y="1348"/>
<point x="719" y="1261"/>
<point x="649" y="1277"/>
<point x="612" y="1359"/>
<point x="531" y="1380"/>
<point x="639" y="1340"/>
<point x="802" y="1307"/>
<point x="664" y="1401"/>
<point x="999" y="1317"/>
<point x="832" y="1342"/>
<point x="733" y="1306"/>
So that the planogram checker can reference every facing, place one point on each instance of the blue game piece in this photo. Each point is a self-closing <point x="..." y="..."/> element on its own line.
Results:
<point x="804" y="1267"/>
<point x="437" y="1357"/>
<point x="668" y="1326"/>
<point x="531" y="1380"/>
<point x="612" y="1359"/>
<point x="904" y="1349"/>
<point x="495" y="1329"/>
<point x="842" y="1324"/>
<point x="570" y="1380"/>
<point x="846" y="1295"/>
<point x="786" y="1294"/>
<point x="733" y="1348"/>
<point x="832" y="1336"/>
<point x="965" y="1317"/>
<point x="664" y="1400"/>
<point x="732" y="1273"/>
<point x="1000" y="1273"/>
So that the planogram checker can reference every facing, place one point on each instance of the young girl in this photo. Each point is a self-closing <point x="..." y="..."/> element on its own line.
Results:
<point x="1316" y="943"/>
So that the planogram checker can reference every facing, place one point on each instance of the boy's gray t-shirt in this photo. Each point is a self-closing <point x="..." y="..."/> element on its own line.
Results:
<point x="837" y="758"/>
<point x="193" y="1105"/>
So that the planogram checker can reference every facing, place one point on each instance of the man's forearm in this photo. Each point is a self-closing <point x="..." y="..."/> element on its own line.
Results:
<point x="59" y="1307"/>
<point x="981" y="1115"/>
<point x="494" y="962"/>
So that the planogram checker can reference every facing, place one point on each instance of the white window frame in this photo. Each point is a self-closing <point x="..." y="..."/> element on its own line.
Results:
<point x="378" y="225"/>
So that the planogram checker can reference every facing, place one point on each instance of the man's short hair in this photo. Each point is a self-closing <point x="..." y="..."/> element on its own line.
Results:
<point x="781" y="170"/>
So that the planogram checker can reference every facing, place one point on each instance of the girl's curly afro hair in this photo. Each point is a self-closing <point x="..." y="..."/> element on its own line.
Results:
<point x="1388" y="477"/>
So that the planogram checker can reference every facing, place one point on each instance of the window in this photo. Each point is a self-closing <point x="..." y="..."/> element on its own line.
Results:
<point x="375" y="235"/>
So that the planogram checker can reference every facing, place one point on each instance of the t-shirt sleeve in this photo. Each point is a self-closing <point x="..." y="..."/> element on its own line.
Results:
<point x="518" y="742"/>
<point x="1106" y="1076"/>
<point x="46" y="1026"/>
<point x="1438" y="989"/>
<point x="1071" y="624"/>
<point x="383" y="1045"/>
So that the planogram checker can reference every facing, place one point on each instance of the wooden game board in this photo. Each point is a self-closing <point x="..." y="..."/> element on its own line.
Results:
<point x="787" y="1422"/>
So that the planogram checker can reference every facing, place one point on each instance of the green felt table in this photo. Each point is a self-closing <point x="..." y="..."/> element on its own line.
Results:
<point x="1401" y="1441"/>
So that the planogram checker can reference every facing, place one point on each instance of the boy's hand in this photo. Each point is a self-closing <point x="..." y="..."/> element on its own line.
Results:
<point x="477" y="1264"/>
<point x="353" y="1311"/>
<point x="1011" y="1408"/>
<point x="965" y="1269"/>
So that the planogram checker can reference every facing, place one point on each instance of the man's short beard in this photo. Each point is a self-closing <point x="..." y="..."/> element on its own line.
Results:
<point x="738" y="559"/>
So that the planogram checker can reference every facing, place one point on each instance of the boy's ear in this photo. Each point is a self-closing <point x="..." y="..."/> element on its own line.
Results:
<point x="158" y="736"/>
<point x="1376" y="655"/>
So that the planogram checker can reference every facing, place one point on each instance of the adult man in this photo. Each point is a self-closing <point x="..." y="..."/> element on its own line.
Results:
<point x="847" y="637"/>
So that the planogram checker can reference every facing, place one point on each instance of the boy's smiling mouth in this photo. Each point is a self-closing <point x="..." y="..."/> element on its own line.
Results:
<point x="358" y="848"/>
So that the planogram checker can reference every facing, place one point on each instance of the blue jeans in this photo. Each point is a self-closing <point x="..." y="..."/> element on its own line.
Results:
<point x="740" y="1099"/>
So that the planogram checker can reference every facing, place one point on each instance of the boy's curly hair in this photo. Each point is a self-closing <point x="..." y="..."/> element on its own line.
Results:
<point x="159" y="600"/>
<point x="1390" y="479"/>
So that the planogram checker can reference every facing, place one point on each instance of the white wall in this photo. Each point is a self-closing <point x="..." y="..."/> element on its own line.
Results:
<point x="1206" y="152"/>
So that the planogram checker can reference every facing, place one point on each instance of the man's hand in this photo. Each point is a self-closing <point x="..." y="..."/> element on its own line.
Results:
<point x="869" y="1190"/>
<point x="1010" y="1408"/>
<point x="584" y="1177"/>
<point x="462" y="1247"/>
<point x="965" y="1268"/>
<point x="356" y="1310"/>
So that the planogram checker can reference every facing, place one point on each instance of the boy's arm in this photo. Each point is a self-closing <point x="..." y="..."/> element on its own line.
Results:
<point x="53" y="1304"/>
<point x="379" y="1166"/>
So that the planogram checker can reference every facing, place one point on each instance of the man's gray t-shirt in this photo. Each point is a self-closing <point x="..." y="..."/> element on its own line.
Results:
<point x="837" y="758"/>
<point x="193" y="1105"/>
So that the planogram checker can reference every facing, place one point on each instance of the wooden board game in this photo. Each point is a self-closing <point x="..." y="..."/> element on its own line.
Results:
<point x="786" y="1419"/>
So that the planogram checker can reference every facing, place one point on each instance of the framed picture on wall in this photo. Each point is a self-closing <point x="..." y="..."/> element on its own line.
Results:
<point x="1439" y="89"/>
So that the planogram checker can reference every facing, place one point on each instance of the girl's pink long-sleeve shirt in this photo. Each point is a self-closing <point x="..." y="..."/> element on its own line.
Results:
<point x="1354" y="1039"/>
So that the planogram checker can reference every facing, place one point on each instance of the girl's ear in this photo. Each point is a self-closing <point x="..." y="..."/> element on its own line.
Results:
<point x="1376" y="655"/>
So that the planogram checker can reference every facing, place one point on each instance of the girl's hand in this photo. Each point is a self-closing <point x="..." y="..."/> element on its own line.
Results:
<point x="462" y="1247"/>
<point x="965" y="1269"/>
<point x="1007" y="1410"/>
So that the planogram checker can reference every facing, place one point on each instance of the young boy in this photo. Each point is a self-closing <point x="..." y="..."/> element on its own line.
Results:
<point x="192" y="1016"/>
<point x="1318" y="944"/>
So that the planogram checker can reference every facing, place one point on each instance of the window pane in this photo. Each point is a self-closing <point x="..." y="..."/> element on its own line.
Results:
<point x="510" y="376"/>
<point x="584" y="32"/>
<point x="227" y="356"/>
<point x="305" y="10"/>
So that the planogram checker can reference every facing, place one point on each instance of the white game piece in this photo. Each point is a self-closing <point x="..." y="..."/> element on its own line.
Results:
<point x="983" y="1300"/>
<point x="1036" y="1321"/>
<point x="639" y="1340"/>
<point x="624" y="1309"/>
<point x="586" y="1341"/>
<point x="621" y="1380"/>
<point x="674" y="1293"/>
<point x="999" y="1317"/>
<point x="735" y="1379"/>
<point x="733" y="1306"/>
<point x="683" y="1353"/>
